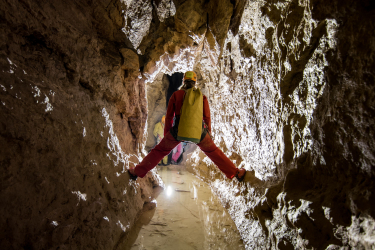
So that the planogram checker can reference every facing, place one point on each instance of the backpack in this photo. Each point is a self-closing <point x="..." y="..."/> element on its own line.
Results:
<point x="190" y="125"/>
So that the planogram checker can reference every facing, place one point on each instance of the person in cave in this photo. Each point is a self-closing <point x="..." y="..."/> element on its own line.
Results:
<point x="177" y="154"/>
<point x="169" y="142"/>
<point x="159" y="134"/>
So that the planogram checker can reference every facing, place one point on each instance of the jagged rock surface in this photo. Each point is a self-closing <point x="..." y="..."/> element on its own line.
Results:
<point x="156" y="96"/>
<point x="73" y="112"/>
<point x="289" y="105"/>
<point x="291" y="91"/>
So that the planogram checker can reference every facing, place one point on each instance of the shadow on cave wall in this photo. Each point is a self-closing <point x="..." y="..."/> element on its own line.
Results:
<point x="175" y="82"/>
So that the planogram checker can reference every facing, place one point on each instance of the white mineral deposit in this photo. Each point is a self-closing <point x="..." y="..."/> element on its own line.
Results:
<point x="290" y="86"/>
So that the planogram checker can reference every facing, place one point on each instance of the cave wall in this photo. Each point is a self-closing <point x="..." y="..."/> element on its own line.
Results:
<point x="156" y="106"/>
<point x="73" y="111"/>
<point x="291" y="91"/>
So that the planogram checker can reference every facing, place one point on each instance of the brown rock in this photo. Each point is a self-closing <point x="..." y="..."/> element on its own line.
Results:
<point x="291" y="92"/>
<point x="131" y="61"/>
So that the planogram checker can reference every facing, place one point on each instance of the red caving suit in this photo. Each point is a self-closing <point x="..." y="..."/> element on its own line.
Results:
<point x="169" y="142"/>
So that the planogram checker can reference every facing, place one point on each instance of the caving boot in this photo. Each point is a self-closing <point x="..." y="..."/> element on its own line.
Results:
<point x="241" y="174"/>
<point x="132" y="175"/>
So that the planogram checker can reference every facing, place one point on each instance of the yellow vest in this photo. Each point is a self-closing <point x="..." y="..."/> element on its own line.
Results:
<point x="190" y="125"/>
<point x="159" y="130"/>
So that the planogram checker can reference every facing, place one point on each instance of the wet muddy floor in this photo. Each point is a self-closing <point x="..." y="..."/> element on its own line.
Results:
<point x="187" y="216"/>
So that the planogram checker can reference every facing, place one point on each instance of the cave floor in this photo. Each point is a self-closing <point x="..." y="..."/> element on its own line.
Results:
<point x="187" y="216"/>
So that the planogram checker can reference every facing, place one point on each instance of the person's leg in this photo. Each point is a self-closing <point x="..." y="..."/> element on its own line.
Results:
<point x="165" y="160"/>
<point x="158" y="139"/>
<point x="157" y="153"/>
<point x="218" y="157"/>
<point x="173" y="154"/>
<point x="177" y="152"/>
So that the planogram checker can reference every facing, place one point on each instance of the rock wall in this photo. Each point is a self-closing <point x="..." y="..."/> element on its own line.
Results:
<point x="291" y="91"/>
<point x="157" y="101"/>
<point x="283" y="93"/>
<point x="73" y="111"/>
<point x="291" y="94"/>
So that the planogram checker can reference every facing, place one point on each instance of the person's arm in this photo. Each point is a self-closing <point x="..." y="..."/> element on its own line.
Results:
<point x="170" y="114"/>
<point x="206" y="113"/>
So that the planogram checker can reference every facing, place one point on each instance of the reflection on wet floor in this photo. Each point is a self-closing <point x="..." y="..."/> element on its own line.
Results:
<point x="187" y="216"/>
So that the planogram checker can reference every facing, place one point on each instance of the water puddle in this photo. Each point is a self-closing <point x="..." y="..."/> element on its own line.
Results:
<point x="187" y="216"/>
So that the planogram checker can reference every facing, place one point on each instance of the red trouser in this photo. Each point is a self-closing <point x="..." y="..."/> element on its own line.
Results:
<point x="169" y="142"/>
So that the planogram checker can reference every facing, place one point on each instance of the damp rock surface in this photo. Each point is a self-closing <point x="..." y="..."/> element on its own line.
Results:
<point x="288" y="106"/>
<point x="73" y="112"/>
<point x="187" y="216"/>
<point x="291" y="90"/>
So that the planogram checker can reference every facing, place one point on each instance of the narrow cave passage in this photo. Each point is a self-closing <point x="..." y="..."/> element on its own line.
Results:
<point x="158" y="95"/>
<point x="186" y="215"/>
<point x="291" y="90"/>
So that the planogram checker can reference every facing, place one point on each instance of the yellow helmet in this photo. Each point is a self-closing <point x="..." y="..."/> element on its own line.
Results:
<point x="163" y="119"/>
<point x="190" y="75"/>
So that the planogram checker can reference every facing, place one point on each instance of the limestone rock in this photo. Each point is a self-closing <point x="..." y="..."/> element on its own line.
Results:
<point x="131" y="60"/>
<point x="72" y="122"/>
<point x="291" y="90"/>
<point x="284" y="100"/>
